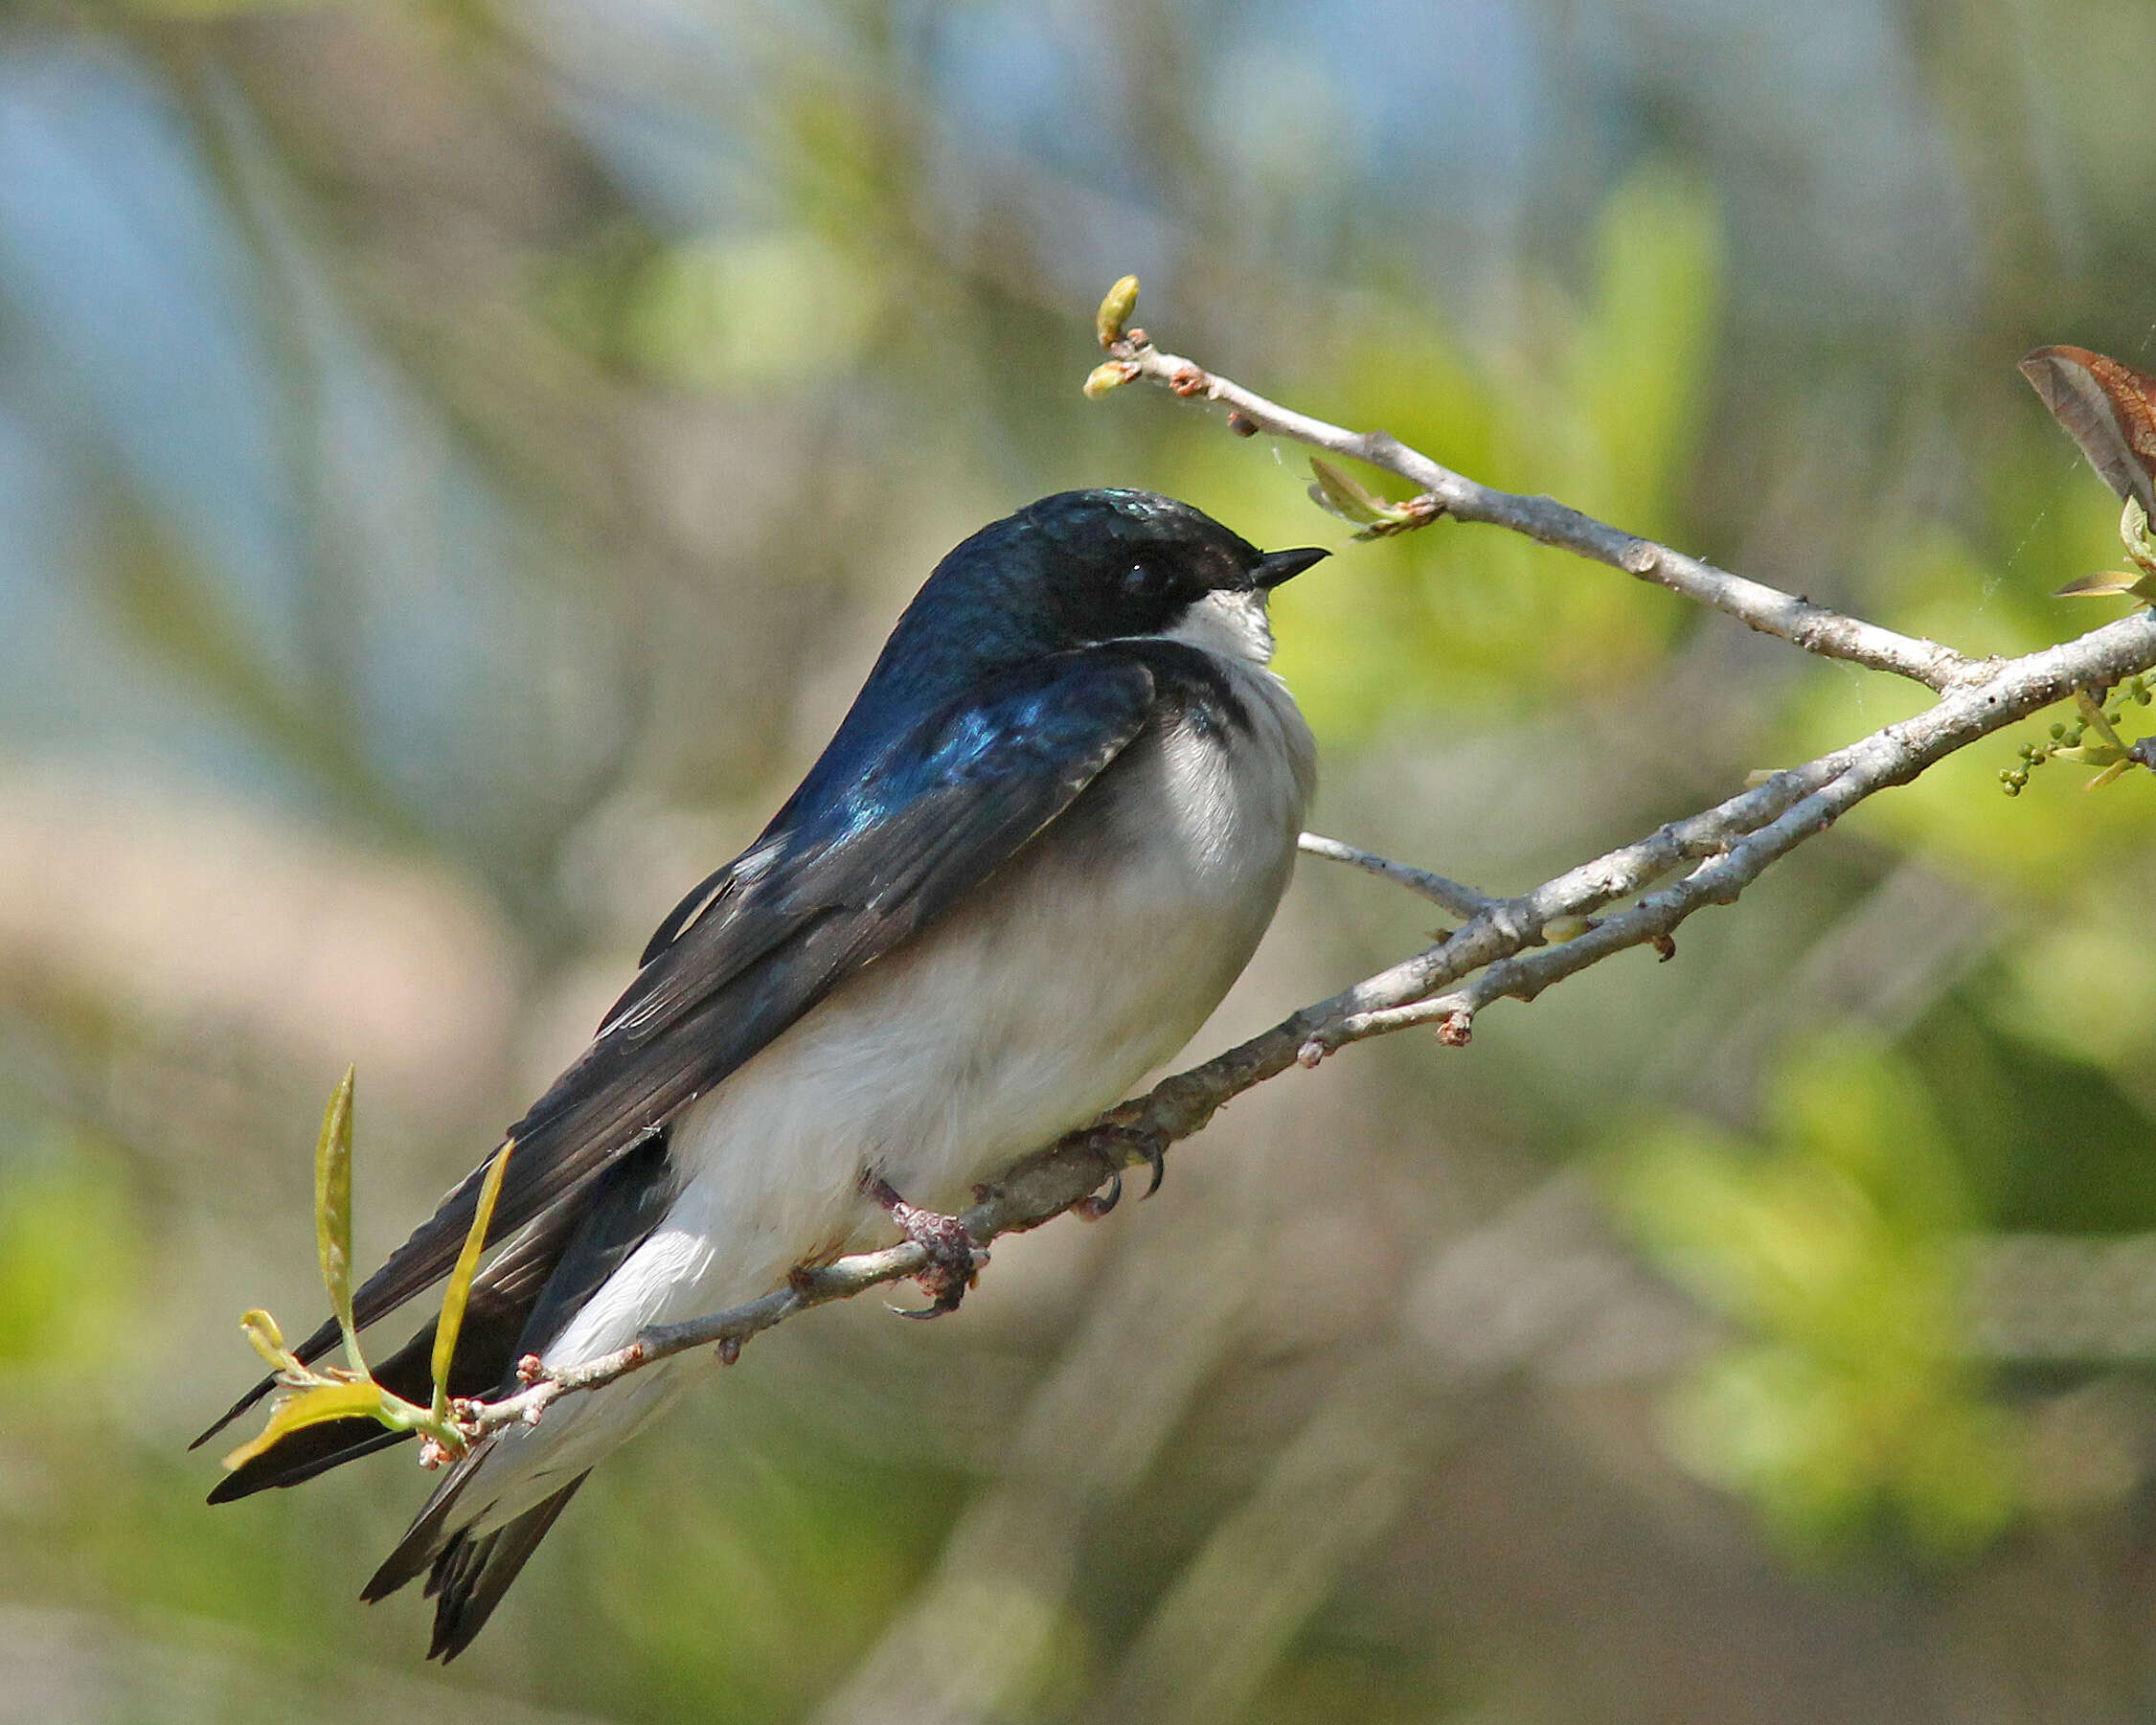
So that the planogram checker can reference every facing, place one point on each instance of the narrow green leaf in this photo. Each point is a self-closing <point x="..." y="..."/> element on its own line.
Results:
<point x="2091" y="711"/>
<point x="1347" y="498"/>
<point x="458" y="1292"/>
<point x="312" y="1407"/>
<point x="2112" y="583"/>
<point x="332" y="1211"/>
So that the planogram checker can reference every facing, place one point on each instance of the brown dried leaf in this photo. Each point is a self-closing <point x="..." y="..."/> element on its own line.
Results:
<point x="2108" y="408"/>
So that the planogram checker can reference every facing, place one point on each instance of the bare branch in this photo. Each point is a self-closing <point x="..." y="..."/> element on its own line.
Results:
<point x="1816" y="628"/>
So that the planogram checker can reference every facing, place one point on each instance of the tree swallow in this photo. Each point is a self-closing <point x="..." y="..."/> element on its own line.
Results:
<point x="1045" y="840"/>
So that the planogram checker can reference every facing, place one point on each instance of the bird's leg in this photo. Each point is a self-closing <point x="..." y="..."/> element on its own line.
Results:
<point x="954" y="1261"/>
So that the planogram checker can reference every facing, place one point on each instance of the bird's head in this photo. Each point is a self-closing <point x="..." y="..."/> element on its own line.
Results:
<point x="1083" y="567"/>
<point x="1113" y="565"/>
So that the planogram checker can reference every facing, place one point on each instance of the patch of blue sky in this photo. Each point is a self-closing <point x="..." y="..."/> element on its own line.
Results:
<point x="134" y="312"/>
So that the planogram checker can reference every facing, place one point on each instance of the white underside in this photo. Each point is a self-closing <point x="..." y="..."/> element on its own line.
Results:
<point x="1093" y="958"/>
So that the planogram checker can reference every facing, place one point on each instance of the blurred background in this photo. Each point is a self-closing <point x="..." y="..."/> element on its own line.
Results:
<point x="456" y="461"/>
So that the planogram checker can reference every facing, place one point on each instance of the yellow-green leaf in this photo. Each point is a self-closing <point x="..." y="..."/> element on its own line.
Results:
<point x="267" y="1340"/>
<point x="2093" y="713"/>
<point x="366" y="1399"/>
<point x="332" y="1211"/>
<point x="458" y="1292"/>
<point x="2136" y="534"/>
<point x="2113" y="581"/>
<point x="1345" y="497"/>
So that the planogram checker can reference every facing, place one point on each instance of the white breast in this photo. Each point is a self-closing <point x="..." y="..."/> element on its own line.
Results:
<point x="1091" y="959"/>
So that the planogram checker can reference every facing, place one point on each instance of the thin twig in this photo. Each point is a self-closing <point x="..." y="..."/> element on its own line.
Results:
<point x="1459" y="901"/>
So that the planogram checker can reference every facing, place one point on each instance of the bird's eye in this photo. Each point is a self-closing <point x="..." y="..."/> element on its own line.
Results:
<point x="1141" y="580"/>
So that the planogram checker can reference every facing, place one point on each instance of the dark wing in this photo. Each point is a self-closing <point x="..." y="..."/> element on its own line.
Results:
<point x="926" y="820"/>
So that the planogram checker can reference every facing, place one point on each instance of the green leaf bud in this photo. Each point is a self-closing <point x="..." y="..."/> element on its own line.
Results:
<point x="1116" y="308"/>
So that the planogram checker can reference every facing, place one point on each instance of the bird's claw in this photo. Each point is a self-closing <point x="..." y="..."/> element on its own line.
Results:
<point x="954" y="1259"/>
<point x="1156" y="1156"/>
<point x="1093" y="1208"/>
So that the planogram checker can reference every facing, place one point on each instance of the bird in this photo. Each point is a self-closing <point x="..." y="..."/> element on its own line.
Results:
<point x="1043" y="842"/>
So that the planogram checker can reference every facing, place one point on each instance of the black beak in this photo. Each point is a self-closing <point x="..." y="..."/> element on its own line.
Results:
<point x="1278" y="566"/>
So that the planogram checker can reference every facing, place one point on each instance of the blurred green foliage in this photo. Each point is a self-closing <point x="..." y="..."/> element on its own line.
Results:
<point x="70" y="1244"/>
<point x="1598" y="404"/>
<point x="1844" y="1403"/>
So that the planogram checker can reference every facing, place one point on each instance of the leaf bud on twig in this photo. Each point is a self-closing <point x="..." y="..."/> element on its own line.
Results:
<point x="1116" y="308"/>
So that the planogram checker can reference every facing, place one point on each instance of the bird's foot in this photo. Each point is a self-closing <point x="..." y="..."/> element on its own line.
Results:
<point x="1110" y="1151"/>
<point x="954" y="1259"/>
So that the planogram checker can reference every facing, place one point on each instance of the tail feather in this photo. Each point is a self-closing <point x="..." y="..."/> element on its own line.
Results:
<point x="471" y="1577"/>
<point x="469" y="1572"/>
<point x="521" y="1303"/>
<point x="428" y="1537"/>
<point x="303" y="1456"/>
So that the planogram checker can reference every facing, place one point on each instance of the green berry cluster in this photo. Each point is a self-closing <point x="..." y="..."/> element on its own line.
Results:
<point x="2067" y="737"/>
<point x="2013" y="779"/>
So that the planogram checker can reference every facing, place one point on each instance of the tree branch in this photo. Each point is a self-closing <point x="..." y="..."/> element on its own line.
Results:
<point x="1817" y="629"/>
<point x="1503" y="948"/>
